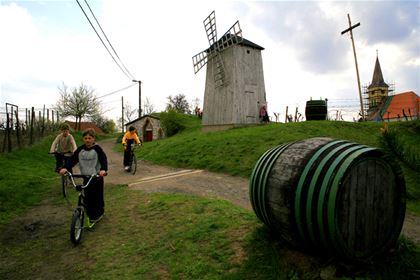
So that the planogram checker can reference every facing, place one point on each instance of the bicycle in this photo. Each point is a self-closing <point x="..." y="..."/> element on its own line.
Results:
<point x="133" y="159"/>
<point x="64" y="179"/>
<point x="78" y="218"/>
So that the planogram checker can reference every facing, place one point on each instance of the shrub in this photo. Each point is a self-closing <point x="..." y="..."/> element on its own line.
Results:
<point x="172" y="122"/>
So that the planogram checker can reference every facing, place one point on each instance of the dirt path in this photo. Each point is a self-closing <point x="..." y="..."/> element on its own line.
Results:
<point x="156" y="178"/>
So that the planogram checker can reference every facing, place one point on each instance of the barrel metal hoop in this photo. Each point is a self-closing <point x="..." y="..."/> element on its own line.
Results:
<point x="257" y="187"/>
<point x="333" y="193"/>
<point x="326" y="189"/>
<point x="313" y="184"/>
<point x="254" y="178"/>
<point x="301" y="182"/>
<point x="264" y="178"/>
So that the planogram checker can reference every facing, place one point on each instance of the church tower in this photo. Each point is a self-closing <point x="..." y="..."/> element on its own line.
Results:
<point x="378" y="90"/>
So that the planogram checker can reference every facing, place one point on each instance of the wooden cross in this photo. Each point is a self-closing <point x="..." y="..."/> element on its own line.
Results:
<point x="355" y="60"/>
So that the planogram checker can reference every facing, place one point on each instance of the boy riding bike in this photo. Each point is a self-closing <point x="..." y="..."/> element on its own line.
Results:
<point x="63" y="146"/>
<point x="130" y="137"/>
<point x="92" y="160"/>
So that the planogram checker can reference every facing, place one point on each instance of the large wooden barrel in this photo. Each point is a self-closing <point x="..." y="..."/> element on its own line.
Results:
<point x="331" y="195"/>
<point x="316" y="110"/>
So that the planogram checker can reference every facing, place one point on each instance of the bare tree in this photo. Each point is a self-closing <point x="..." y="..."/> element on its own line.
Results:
<point x="178" y="103"/>
<point x="195" y="103"/>
<point x="148" y="107"/>
<point x="77" y="102"/>
<point x="130" y="113"/>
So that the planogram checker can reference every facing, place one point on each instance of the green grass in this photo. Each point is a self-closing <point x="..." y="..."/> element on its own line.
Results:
<point x="167" y="236"/>
<point x="27" y="176"/>
<point x="237" y="150"/>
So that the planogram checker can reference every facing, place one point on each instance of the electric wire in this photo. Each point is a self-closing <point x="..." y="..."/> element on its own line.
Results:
<point x="116" y="91"/>
<point x="103" y="43"/>
<point x="106" y="37"/>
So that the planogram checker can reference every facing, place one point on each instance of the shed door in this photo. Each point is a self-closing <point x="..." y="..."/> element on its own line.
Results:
<point x="148" y="136"/>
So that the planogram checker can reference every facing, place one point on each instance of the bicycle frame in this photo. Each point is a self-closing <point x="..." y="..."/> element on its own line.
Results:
<point x="77" y="223"/>
<point x="64" y="181"/>
<point x="133" y="160"/>
<point x="80" y="187"/>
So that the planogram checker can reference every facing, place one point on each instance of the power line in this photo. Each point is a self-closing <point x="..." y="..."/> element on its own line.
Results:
<point x="106" y="37"/>
<point x="117" y="90"/>
<point x="127" y="73"/>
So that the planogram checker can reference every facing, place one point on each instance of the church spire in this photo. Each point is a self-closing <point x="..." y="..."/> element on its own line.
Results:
<point x="377" y="79"/>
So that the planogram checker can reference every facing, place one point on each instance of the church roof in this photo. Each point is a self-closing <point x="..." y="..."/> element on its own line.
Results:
<point x="406" y="103"/>
<point x="377" y="79"/>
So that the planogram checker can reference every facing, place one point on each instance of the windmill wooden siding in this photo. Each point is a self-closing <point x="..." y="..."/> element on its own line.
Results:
<point x="238" y="101"/>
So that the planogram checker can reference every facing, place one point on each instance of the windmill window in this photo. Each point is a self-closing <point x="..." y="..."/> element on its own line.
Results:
<point x="247" y="51"/>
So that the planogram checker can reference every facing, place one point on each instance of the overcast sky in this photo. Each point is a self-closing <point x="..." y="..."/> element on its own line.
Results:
<point x="47" y="43"/>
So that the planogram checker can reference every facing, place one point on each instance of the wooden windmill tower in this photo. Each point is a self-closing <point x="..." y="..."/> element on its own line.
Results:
<point x="235" y="88"/>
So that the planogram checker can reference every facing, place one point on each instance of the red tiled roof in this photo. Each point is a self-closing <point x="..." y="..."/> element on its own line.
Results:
<point x="85" y="125"/>
<point x="407" y="101"/>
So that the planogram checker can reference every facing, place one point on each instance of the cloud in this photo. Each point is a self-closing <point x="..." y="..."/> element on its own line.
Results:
<point x="308" y="29"/>
<point x="45" y="43"/>
<point x="388" y="21"/>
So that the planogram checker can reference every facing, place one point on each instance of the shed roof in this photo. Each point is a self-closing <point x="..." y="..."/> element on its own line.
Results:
<point x="142" y="117"/>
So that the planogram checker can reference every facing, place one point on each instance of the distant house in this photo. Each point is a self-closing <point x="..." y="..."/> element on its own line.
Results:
<point x="85" y="125"/>
<point x="149" y="128"/>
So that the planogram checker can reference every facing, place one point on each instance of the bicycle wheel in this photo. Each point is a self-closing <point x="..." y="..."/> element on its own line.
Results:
<point x="76" y="227"/>
<point x="64" y="184"/>
<point x="133" y="165"/>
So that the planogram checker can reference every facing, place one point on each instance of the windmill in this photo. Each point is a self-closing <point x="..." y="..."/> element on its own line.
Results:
<point x="234" y="87"/>
<point x="231" y="37"/>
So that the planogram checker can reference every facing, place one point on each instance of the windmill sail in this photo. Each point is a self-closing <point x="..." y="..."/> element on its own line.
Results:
<point x="232" y="37"/>
<point x="199" y="60"/>
<point x="210" y="27"/>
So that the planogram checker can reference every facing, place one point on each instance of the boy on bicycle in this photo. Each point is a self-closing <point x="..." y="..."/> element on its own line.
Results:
<point x="129" y="138"/>
<point x="92" y="160"/>
<point x="63" y="146"/>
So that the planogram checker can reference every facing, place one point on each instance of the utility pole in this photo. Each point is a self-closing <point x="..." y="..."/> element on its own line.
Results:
<point x="355" y="61"/>
<point x="139" y="96"/>
<point x="122" y="114"/>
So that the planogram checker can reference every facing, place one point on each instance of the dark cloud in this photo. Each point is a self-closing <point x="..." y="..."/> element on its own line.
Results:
<point x="317" y="38"/>
<point x="396" y="22"/>
<point x="313" y="36"/>
<point x="388" y="21"/>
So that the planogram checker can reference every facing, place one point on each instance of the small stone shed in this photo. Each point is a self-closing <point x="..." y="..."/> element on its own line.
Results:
<point x="148" y="126"/>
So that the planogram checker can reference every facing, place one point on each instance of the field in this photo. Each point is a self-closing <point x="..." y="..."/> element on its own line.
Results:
<point x="163" y="236"/>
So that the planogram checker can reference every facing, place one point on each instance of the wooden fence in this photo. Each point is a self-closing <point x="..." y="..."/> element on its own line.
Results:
<point x="17" y="131"/>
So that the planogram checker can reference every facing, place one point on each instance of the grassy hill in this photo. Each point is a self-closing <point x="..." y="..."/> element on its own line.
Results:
<point x="237" y="150"/>
<point x="166" y="236"/>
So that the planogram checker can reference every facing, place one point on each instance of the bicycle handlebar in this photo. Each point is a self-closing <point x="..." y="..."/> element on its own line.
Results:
<point x="72" y="176"/>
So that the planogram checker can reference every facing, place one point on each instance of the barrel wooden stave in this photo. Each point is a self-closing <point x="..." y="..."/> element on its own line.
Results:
<point x="281" y="185"/>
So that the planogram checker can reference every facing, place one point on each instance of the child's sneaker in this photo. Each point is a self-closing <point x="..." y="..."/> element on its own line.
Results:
<point x="127" y="168"/>
<point x="94" y="221"/>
